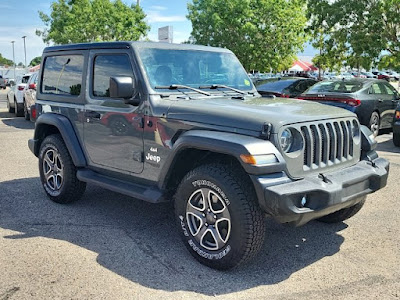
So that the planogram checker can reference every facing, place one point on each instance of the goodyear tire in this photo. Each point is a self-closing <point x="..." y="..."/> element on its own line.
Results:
<point x="58" y="172"/>
<point x="218" y="216"/>
<point x="344" y="213"/>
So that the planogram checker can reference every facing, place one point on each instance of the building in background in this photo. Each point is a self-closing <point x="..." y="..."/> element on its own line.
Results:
<point x="165" y="34"/>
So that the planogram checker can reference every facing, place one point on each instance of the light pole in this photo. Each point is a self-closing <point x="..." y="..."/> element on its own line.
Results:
<point x="24" y="37"/>
<point x="12" y="42"/>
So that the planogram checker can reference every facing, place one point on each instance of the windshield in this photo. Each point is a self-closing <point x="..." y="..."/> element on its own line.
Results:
<point x="273" y="85"/>
<point x="165" y="67"/>
<point x="336" y="87"/>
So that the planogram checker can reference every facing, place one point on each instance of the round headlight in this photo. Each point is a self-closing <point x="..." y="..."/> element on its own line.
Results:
<point x="286" y="140"/>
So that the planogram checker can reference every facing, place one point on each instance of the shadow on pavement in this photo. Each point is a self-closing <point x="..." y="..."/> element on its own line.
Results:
<point x="388" y="146"/>
<point x="139" y="241"/>
<point x="11" y="120"/>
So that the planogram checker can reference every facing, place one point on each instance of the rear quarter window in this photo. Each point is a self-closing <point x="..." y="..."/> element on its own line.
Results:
<point x="62" y="75"/>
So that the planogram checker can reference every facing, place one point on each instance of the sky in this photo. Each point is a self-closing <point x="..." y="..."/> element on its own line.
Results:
<point x="21" y="18"/>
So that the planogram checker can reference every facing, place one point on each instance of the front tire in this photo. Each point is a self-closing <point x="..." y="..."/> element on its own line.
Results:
<point x="58" y="172"/>
<point x="218" y="215"/>
<point x="343" y="214"/>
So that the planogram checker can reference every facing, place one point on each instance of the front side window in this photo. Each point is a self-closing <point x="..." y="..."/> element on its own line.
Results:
<point x="106" y="66"/>
<point x="63" y="75"/>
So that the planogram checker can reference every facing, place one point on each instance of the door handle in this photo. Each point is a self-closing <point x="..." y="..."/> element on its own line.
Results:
<point x="92" y="115"/>
<point x="395" y="101"/>
<point x="380" y="100"/>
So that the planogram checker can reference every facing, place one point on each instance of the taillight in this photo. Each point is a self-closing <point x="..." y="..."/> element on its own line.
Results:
<point x="352" y="102"/>
<point x="32" y="86"/>
<point x="20" y="88"/>
<point x="33" y="112"/>
<point x="285" y="96"/>
<point x="397" y="116"/>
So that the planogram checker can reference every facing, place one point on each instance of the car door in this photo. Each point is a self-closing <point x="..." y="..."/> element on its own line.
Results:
<point x="394" y="97"/>
<point x="383" y="102"/>
<point x="113" y="130"/>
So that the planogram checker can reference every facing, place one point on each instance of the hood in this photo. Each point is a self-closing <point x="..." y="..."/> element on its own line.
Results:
<point x="252" y="113"/>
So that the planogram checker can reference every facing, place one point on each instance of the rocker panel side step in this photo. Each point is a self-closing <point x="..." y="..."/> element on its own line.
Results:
<point x="134" y="190"/>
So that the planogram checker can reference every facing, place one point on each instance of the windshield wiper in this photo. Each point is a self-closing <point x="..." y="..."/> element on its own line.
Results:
<point x="180" y="86"/>
<point x="216" y="86"/>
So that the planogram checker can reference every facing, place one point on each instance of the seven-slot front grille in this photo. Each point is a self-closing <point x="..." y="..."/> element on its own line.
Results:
<point x="327" y="143"/>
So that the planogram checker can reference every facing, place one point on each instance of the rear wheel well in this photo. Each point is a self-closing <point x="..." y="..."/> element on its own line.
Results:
<point x="44" y="130"/>
<point x="188" y="159"/>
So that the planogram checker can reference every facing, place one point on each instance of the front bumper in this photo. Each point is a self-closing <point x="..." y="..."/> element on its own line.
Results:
<point x="298" y="202"/>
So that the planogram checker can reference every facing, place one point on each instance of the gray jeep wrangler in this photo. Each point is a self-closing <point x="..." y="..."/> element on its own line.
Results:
<point x="184" y="123"/>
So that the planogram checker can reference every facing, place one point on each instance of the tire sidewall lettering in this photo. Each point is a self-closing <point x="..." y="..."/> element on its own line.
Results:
<point x="202" y="182"/>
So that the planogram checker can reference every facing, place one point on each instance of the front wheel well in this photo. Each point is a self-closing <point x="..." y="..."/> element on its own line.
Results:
<point x="188" y="159"/>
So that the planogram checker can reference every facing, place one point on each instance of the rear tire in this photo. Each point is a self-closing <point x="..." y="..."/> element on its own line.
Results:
<point x="26" y="113"/>
<point x="374" y="123"/>
<point x="218" y="215"/>
<point x="10" y="109"/>
<point x="18" y="109"/>
<point x="58" y="172"/>
<point x="343" y="214"/>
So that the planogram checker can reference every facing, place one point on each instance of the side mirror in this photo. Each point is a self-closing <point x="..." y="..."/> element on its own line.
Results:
<point x="12" y="83"/>
<point x="123" y="87"/>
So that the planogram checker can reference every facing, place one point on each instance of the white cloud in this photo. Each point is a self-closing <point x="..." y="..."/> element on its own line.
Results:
<point x="158" y="7"/>
<point x="156" y="17"/>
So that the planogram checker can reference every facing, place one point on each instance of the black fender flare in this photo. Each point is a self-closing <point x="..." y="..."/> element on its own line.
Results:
<point x="232" y="144"/>
<point x="67" y="132"/>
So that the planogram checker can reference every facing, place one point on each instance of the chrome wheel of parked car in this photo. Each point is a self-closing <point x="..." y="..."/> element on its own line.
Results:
<point x="374" y="123"/>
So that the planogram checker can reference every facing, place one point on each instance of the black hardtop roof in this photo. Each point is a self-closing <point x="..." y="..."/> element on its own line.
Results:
<point x="127" y="45"/>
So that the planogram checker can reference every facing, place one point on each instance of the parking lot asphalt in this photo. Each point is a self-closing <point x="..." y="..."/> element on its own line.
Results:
<point x="109" y="246"/>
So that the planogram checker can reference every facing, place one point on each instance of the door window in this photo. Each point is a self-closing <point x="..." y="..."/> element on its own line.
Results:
<point x="106" y="66"/>
<point x="63" y="75"/>
<point x="378" y="89"/>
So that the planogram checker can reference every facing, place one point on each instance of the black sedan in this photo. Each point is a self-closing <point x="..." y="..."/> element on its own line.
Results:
<point x="287" y="87"/>
<point x="373" y="100"/>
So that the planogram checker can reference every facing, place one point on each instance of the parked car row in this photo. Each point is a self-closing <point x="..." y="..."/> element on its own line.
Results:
<point x="373" y="100"/>
<point x="22" y="95"/>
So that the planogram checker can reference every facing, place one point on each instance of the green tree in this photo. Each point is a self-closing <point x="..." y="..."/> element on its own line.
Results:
<point x="36" y="61"/>
<point x="5" y="61"/>
<point x="79" y="21"/>
<point x="363" y="29"/>
<point x="263" y="34"/>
